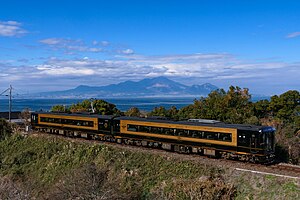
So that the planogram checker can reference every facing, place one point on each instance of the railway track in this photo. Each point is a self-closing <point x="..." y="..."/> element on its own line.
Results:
<point x="281" y="169"/>
<point x="287" y="167"/>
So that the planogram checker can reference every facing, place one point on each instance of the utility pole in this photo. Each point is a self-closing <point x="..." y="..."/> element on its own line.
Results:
<point x="10" y="103"/>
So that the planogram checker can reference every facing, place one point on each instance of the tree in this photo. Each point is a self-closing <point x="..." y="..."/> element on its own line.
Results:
<point x="25" y="116"/>
<point x="233" y="106"/>
<point x="105" y="108"/>
<point x="133" y="112"/>
<point x="186" y="112"/>
<point x="84" y="106"/>
<point x="172" y="113"/>
<point x="284" y="106"/>
<point x="59" y="108"/>
<point x="159" y="111"/>
<point x="261" y="109"/>
<point x="5" y="129"/>
<point x="99" y="106"/>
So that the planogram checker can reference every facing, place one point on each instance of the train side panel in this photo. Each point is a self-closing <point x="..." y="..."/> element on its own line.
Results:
<point x="228" y="135"/>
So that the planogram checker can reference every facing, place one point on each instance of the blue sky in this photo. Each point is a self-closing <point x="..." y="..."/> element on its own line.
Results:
<point x="56" y="45"/>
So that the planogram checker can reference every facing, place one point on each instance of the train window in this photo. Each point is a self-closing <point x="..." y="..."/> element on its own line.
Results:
<point x="216" y="136"/>
<point x="202" y="135"/>
<point x="209" y="135"/>
<point x="168" y="131"/>
<point x="165" y="131"/>
<point x="225" y="137"/>
<point x="182" y="132"/>
<point x="77" y="122"/>
<point x="144" y="129"/>
<point x="162" y="130"/>
<point x="154" y="130"/>
<point x="193" y="133"/>
<point x="179" y="132"/>
<point x="131" y="127"/>
<point x="158" y="130"/>
<point x="174" y="132"/>
<point x="186" y="133"/>
<point x="43" y="119"/>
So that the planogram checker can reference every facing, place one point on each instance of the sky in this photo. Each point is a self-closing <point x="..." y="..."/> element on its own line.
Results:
<point x="57" y="45"/>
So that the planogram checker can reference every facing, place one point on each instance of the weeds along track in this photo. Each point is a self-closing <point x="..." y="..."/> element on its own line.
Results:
<point x="281" y="169"/>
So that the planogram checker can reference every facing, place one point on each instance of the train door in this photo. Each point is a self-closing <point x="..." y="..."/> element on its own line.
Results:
<point x="269" y="141"/>
<point x="34" y="118"/>
<point x="253" y="143"/>
<point x="104" y="126"/>
<point x="116" y="127"/>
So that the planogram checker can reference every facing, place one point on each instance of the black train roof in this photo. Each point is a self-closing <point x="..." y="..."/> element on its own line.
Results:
<point x="86" y="114"/>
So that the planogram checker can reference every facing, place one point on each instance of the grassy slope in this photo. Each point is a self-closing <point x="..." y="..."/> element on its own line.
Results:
<point x="55" y="168"/>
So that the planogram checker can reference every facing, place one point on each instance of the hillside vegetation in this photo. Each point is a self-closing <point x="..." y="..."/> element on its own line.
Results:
<point x="47" y="167"/>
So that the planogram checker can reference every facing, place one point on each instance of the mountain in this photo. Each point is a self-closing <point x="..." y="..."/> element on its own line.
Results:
<point x="159" y="86"/>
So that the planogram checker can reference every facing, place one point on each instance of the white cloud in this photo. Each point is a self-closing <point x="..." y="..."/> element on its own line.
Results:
<point x="58" y="70"/>
<point x="51" y="41"/>
<point x="127" y="51"/>
<point x="104" y="43"/>
<point x="11" y="29"/>
<point x="95" y="42"/>
<point x="294" y="34"/>
<point x="203" y="66"/>
<point x="69" y="46"/>
<point x="214" y="68"/>
<point x="101" y="43"/>
<point x="76" y="46"/>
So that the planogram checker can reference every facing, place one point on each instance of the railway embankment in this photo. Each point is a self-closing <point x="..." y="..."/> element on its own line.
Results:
<point x="50" y="167"/>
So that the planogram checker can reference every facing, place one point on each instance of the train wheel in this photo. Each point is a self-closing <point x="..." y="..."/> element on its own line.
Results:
<point x="126" y="141"/>
<point x="188" y="150"/>
<point x="138" y="143"/>
<point x="119" y="141"/>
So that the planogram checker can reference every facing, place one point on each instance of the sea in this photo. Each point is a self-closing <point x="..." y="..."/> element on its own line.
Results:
<point x="123" y="104"/>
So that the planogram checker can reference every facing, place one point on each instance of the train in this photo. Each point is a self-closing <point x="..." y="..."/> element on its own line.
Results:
<point x="194" y="136"/>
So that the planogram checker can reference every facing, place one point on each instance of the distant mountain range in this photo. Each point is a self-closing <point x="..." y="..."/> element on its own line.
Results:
<point x="149" y="87"/>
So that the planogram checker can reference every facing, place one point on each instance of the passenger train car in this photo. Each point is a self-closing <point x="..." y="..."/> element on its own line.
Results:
<point x="197" y="136"/>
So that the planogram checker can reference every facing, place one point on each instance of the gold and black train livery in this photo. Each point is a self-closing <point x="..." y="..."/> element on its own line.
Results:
<point x="198" y="136"/>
